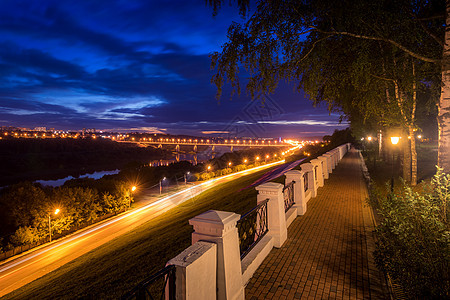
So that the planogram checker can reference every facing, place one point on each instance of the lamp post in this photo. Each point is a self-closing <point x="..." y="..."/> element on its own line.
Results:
<point x="185" y="177"/>
<point x="50" y="223"/>
<point x="133" y="188"/>
<point x="394" y="141"/>
<point x="160" y="185"/>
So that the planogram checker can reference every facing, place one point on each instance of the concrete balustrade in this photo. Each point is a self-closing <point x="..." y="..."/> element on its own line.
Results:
<point x="329" y="162"/>
<point x="323" y="159"/>
<point x="219" y="227"/>
<point x="318" y="174"/>
<point x="212" y="268"/>
<point x="299" y="190"/>
<point x="195" y="272"/>
<point x="275" y="210"/>
<point x="312" y="186"/>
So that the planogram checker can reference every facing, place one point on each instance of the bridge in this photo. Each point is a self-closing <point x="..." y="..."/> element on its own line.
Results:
<point x="207" y="142"/>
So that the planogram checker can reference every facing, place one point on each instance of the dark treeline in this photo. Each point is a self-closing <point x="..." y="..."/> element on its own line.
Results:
<point x="33" y="159"/>
<point x="27" y="210"/>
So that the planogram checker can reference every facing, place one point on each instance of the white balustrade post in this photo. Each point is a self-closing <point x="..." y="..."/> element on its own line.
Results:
<point x="275" y="210"/>
<point x="329" y="162"/>
<point x="219" y="227"/>
<point x="318" y="173"/>
<point x="324" y="162"/>
<point x="299" y="190"/>
<point x="333" y="158"/>
<point x="309" y="168"/>
<point x="196" y="269"/>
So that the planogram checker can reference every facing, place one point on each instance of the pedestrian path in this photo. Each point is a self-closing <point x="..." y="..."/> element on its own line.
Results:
<point x="328" y="253"/>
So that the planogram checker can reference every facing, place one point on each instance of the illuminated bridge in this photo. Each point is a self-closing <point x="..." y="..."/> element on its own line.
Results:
<point x="209" y="143"/>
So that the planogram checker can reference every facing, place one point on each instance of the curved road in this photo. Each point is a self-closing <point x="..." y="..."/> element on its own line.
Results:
<point x="18" y="271"/>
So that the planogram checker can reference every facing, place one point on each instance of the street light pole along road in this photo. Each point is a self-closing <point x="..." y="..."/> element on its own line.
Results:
<point x="18" y="271"/>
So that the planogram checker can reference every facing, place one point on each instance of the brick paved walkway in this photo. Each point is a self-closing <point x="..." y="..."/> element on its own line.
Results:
<point x="328" y="253"/>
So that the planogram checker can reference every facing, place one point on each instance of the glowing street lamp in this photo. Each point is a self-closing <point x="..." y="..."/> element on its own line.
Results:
<point x="245" y="161"/>
<point x="185" y="177"/>
<point x="160" y="185"/>
<point x="395" y="140"/>
<point x="209" y="168"/>
<point x="50" y="223"/>
<point x="369" y="138"/>
<point x="229" y="164"/>
<point x="133" y="188"/>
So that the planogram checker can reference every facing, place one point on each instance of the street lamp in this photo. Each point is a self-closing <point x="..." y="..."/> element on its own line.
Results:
<point x="185" y="177"/>
<point x="394" y="141"/>
<point x="245" y="161"/>
<point x="209" y="168"/>
<point x="229" y="164"/>
<point x="160" y="185"/>
<point x="50" y="223"/>
<point x="133" y="188"/>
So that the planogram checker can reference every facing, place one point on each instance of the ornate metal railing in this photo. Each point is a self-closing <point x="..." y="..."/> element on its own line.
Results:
<point x="252" y="227"/>
<point x="316" y="178"/>
<point x="155" y="287"/>
<point x="305" y="181"/>
<point x="288" y="193"/>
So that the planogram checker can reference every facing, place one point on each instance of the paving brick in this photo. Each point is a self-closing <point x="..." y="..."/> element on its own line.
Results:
<point x="328" y="253"/>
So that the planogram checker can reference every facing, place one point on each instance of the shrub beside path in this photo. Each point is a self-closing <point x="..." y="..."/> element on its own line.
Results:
<point x="328" y="253"/>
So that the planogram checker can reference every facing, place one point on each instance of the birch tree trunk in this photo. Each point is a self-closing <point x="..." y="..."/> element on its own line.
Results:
<point x="406" y="158"/>
<point x="444" y="101"/>
<point x="413" y="156"/>
<point x="411" y="130"/>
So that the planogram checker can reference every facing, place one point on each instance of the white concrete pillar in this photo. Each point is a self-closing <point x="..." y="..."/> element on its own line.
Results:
<point x="299" y="190"/>
<point x="312" y="186"/>
<point x="333" y="158"/>
<point x="275" y="210"/>
<point x="196" y="269"/>
<point x="341" y="152"/>
<point x="318" y="173"/>
<point x="328" y="156"/>
<point x="219" y="227"/>
<point x="323" y="160"/>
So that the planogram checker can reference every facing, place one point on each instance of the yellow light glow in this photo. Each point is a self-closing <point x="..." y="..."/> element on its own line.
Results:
<point x="133" y="188"/>
<point x="56" y="211"/>
<point x="369" y="138"/>
<point x="395" y="140"/>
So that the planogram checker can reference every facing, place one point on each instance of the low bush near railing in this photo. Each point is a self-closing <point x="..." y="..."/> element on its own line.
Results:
<point x="413" y="245"/>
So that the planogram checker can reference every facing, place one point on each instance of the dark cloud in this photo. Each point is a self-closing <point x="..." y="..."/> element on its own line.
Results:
<point x="129" y="64"/>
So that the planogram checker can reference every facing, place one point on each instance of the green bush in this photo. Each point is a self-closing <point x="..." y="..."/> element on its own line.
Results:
<point x="413" y="238"/>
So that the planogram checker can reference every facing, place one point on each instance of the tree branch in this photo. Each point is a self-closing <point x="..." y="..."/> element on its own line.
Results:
<point x="411" y="53"/>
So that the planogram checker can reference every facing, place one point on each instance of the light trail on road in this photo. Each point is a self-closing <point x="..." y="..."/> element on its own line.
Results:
<point x="18" y="271"/>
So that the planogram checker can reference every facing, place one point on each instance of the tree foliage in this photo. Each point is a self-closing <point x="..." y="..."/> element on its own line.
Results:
<point x="414" y="238"/>
<point x="29" y="206"/>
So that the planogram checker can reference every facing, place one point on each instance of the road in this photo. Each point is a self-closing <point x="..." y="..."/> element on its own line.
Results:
<point x="18" y="271"/>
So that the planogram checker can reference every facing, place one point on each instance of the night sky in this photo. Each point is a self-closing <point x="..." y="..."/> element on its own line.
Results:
<point x="133" y="65"/>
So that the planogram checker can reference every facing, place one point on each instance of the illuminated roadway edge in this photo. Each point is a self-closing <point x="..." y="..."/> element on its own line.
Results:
<point x="10" y="264"/>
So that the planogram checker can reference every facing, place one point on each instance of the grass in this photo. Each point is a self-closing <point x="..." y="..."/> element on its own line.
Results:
<point x="114" y="268"/>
